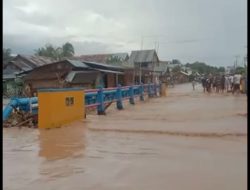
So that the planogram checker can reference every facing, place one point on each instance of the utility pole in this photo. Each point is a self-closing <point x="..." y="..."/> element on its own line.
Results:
<point x="141" y="42"/>
<point x="236" y="61"/>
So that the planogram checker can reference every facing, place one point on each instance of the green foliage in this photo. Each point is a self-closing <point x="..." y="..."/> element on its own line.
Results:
<point x="221" y="69"/>
<point x="6" y="54"/>
<point x="114" y="60"/>
<point x="176" y="69"/>
<point x="240" y="70"/>
<point x="202" y="68"/>
<point x="67" y="50"/>
<point x="176" y="61"/>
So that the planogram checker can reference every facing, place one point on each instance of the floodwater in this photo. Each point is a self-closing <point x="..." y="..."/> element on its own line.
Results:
<point x="187" y="140"/>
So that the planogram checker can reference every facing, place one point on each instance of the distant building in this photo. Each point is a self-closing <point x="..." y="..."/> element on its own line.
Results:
<point x="182" y="77"/>
<point x="144" y="63"/>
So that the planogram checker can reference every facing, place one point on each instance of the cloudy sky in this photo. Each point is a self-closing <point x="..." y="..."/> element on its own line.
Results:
<point x="212" y="31"/>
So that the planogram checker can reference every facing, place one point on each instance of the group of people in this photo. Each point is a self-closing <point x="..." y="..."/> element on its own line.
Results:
<point x="222" y="83"/>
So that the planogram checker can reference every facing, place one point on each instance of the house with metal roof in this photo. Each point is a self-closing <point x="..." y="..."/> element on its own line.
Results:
<point x="22" y="63"/>
<point x="73" y="73"/>
<point x="144" y="63"/>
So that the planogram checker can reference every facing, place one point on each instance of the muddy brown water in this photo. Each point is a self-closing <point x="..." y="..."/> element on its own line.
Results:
<point x="188" y="140"/>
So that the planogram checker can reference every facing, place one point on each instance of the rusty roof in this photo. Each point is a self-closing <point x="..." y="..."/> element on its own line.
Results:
<point x="31" y="61"/>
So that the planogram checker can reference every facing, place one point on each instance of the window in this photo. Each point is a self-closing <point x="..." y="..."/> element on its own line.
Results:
<point x="69" y="101"/>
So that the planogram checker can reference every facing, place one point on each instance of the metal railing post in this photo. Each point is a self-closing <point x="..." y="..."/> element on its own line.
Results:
<point x="119" y="105"/>
<point x="155" y="89"/>
<point x="149" y="91"/>
<point x="141" y="92"/>
<point x="100" y="100"/>
<point x="131" y="94"/>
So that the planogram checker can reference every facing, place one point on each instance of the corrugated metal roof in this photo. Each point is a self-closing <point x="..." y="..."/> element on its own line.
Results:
<point x="81" y="76"/>
<point x="103" y="66"/>
<point x="108" y="71"/>
<point x="37" y="60"/>
<point x="184" y="73"/>
<point x="141" y="56"/>
<point x="9" y="76"/>
<point x="76" y="63"/>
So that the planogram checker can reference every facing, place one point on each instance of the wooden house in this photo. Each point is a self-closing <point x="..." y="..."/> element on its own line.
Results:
<point x="144" y="63"/>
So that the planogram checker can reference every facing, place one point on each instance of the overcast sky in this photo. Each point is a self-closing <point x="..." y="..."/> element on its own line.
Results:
<point x="212" y="31"/>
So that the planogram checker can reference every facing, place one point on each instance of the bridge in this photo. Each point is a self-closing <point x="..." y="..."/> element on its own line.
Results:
<point x="93" y="98"/>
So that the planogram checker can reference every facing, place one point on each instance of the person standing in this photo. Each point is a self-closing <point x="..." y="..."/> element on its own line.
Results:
<point x="203" y="81"/>
<point x="231" y="80"/>
<point x="193" y="83"/>
<point x="208" y="84"/>
<point x="222" y="83"/>
<point x="213" y="84"/>
<point x="227" y="83"/>
<point x="236" y="82"/>
<point x="217" y="83"/>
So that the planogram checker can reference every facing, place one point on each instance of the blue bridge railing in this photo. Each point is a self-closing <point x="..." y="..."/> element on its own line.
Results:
<point x="103" y="96"/>
<point x="95" y="98"/>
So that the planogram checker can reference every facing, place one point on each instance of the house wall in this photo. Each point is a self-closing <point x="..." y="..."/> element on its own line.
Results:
<point x="128" y="77"/>
<point x="111" y="80"/>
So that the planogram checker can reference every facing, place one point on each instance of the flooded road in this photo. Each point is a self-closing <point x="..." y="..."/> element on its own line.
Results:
<point x="188" y="140"/>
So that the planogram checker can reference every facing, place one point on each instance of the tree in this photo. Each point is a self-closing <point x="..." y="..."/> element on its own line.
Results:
<point x="68" y="50"/>
<point x="176" y="61"/>
<point x="6" y="54"/>
<point x="57" y="53"/>
<point x="221" y="69"/>
<point x="176" y="69"/>
<point x="114" y="60"/>
<point x="240" y="70"/>
<point x="47" y="51"/>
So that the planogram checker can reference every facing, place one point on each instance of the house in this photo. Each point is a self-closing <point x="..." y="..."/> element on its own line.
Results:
<point x="22" y="63"/>
<point x="111" y="75"/>
<point x="72" y="73"/>
<point x="181" y="77"/>
<point x="59" y="74"/>
<point x="12" y="83"/>
<point x="163" y="70"/>
<point x="144" y="63"/>
<point x="12" y="86"/>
